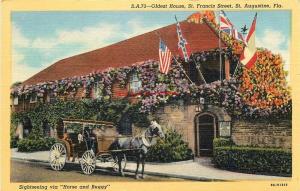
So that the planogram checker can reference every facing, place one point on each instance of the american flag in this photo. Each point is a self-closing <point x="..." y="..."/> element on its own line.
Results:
<point x="165" y="57"/>
<point x="182" y="44"/>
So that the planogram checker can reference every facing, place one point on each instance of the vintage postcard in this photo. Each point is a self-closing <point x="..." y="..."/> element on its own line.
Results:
<point x="142" y="95"/>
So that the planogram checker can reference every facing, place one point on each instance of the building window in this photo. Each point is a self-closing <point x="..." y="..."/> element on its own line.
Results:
<point x="15" y="101"/>
<point x="135" y="84"/>
<point x="51" y="98"/>
<point x="33" y="98"/>
<point x="98" y="88"/>
<point x="225" y="128"/>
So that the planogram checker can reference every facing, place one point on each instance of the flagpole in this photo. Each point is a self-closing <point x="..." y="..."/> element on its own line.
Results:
<point x="199" y="71"/>
<point x="220" y="46"/>
<point x="181" y="64"/>
<point x="178" y="63"/>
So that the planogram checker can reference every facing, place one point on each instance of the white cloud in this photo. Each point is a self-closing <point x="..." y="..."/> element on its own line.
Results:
<point x="272" y="39"/>
<point x="44" y="43"/>
<point x="21" y="71"/>
<point x="19" y="40"/>
<point x="90" y="37"/>
<point x="138" y="27"/>
<point x="278" y="43"/>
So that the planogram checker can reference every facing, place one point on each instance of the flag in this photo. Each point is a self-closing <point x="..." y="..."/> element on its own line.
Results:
<point x="183" y="46"/>
<point x="225" y="24"/>
<point x="237" y="35"/>
<point x="249" y="56"/>
<point x="165" y="57"/>
<point x="227" y="27"/>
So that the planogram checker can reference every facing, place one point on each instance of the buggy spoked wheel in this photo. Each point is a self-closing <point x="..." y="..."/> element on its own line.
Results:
<point x="88" y="162"/>
<point x="58" y="156"/>
<point x="115" y="164"/>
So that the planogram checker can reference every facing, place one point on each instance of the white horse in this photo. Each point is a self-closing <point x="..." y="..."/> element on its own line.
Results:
<point x="138" y="146"/>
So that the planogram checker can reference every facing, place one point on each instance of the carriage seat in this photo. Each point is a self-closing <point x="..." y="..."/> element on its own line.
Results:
<point x="73" y="140"/>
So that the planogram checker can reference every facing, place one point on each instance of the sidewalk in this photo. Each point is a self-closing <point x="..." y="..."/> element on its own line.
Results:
<point x="202" y="169"/>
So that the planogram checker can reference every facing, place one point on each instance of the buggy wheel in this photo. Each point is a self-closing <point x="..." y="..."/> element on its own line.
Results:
<point x="58" y="156"/>
<point x="115" y="164"/>
<point x="88" y="162"/>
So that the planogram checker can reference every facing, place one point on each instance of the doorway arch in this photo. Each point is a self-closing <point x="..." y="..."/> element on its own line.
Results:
<point x="206" y="131"/>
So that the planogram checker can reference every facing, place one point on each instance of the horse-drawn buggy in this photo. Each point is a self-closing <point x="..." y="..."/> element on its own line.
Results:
<point x="89" y="141"/>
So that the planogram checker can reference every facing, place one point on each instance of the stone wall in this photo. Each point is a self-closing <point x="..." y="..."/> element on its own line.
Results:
<point x="263" y="133"/>
<point x="181" y="118"/>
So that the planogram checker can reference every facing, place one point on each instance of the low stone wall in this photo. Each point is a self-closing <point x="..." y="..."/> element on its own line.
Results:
<point x="263" y="133"/>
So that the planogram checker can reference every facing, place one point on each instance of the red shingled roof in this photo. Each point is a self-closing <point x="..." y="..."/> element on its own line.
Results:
<point x="125" y="53"/>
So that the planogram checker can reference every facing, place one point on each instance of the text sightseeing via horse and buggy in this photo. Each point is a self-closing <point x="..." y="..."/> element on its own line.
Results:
<point x="98" y="141"/>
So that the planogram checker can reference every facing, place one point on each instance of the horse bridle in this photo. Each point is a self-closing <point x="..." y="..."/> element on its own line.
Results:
<point x="148" y="138"/>
<point x="154" y="131"/>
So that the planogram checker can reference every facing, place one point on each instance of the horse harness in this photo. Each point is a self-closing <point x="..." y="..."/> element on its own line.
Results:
<point x="143" y="139"/>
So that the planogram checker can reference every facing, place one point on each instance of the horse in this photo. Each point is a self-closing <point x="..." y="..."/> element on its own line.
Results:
<point x="138" y="146"/>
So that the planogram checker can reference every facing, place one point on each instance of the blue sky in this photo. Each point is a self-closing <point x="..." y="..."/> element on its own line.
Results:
<point x="42" y="38"/>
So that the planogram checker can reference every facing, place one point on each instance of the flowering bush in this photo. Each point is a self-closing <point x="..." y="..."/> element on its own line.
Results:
<point x="259" y="94"/>
<point x="209" y="18"/>
<point x="264" y="88"/>
<point x="198" y="17"/>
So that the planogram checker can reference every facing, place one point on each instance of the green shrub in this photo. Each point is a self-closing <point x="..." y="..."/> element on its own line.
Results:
<point x="254" y="160"/>
<point x="171" y="149"/>
<point x="13" y="139"/>
<point x="13" y="143"/>
<point x="30" y="145"/>
<point x="222" y="142"/>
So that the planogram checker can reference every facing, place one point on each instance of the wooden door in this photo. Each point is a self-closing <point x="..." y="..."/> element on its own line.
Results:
<point x="206" y="127"/>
